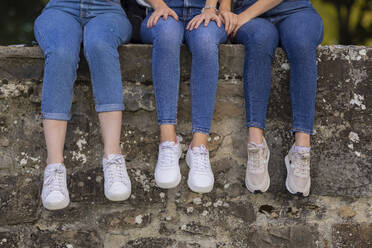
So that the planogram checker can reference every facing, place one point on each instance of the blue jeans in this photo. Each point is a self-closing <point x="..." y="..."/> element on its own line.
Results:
<point x="297" y="27"/>
<point x="101" y="25"/>
<point x="167" y="38"/>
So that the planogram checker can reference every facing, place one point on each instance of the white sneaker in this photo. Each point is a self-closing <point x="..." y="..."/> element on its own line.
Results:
<point x="201" y="177"/>
<point x="298" y="172"/>
<point x="257" y="175"/>
<point x="55" y="193"/>
<point x="167" y="171"/>
<point x="117" y="183"/>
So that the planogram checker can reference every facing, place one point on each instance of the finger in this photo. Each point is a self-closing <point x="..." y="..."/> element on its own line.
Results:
<point x="234" y="25"/>
<point x="189" y="24"/>
<point x="173" y="14"/>
<point x="227" y="25"/>
<point x="153" y="20"/>
<point x="156" y="19"/>
<point x="149" y="21"/>
<point x="206" y="21"/>
<point x="222" y="18"/>
<point x="165" y="16"/>
<point x="218" y="21"/>
<point x="192" y="23"/>
<point x="197" y="24"/>
<point x="231" y="27"/>
<point x="235" y="31"/>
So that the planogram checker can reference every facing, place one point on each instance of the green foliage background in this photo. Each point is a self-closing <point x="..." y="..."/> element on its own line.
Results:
<point x="346" y="21"/>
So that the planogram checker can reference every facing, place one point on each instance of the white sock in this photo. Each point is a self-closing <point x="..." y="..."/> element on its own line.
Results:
<point x="302" y="149"/>
<point x="258" y="145"/>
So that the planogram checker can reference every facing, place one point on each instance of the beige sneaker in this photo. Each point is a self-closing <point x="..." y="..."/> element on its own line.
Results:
<point x="257" y="176"/>
<point x="298" y="172"/>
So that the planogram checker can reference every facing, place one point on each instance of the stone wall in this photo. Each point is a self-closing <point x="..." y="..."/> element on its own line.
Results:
<point x="337" y="214"/>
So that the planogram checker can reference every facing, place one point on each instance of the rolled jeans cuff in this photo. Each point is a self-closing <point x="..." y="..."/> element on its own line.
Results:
<point x="255" y="124"/>
<point x="167" y="122"/>
<point x="302" y="130"/>
<point x="200" y="130"/>
<point x="109" y="107"/>
<point x="56" y="116"/>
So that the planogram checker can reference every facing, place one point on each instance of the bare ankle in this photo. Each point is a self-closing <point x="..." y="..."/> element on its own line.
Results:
<point x="168" y="133"/>
<point x="55" y="160"/>
<point x="302" y="139"/>
<point x="255" y="135"/>
<point x="109" y="151"/>
<point x="199" y="139"/>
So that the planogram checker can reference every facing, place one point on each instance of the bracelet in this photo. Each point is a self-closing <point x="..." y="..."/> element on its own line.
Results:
<point x="209" y="7"/>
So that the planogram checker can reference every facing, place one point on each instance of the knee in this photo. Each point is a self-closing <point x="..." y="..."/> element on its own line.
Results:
<point x="167" y="33"/>
<point x="262" y="41"/>
<point x="167" y="42"/>
<point x="62" y="55"/>
<point x="97" y="47"/>
<point x="258" y="39"/>
<point x="41" y="22"/>
<point x="203" y="42"/>
<point x="300" y="47"/>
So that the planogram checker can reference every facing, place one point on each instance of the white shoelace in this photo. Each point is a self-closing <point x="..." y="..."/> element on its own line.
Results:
<point x="54" y="179"/>
<point x="169" y="155"/>
<point x="301" y="164"/>
<point x="255" y="160"/>
<point x="115" y="168"/>
<point x="201" y="159"/>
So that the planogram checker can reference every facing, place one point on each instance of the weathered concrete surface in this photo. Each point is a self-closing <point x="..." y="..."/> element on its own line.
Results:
<point x="338" y="213"/>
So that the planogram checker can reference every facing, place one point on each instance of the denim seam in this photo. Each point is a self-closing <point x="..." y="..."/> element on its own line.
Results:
<point x="200" y="130"/>
<point x="191" y="96"/>
<point x="321" y="35"/>
<point x="39" y="34"/>
<point x="109" y="107"/>
<point x="249" y="92"/>
<point x="170" y="122"/>
<point x="165" y="121"/>
<point x="192" y="87"/>
<point x="157" y="92"/>
<point x="255" y="124"/>
<point x="304" y="130"/>
<point x="56" y="116"/>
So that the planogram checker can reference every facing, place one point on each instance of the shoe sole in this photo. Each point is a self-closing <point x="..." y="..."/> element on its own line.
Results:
<point x="255" y="191"/>
<point x="195" y="188"/>
<point x="119" y="198"/>
<point x="176" y="182"/>
<point x="199" y="189"/>
<point x="293" y="192"/>
<point x="59" y="206"/>
<point x="171" y="184"/>
<point x="266" y="186"/>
